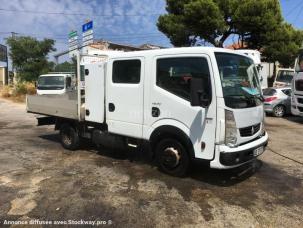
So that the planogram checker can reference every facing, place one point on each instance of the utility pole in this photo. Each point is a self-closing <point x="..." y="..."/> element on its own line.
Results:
<point x="13" y="37"/>
<point x="6" y="70"/>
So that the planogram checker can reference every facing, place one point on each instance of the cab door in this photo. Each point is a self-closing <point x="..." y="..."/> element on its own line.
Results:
<point x="124" y="96"/>
<point x="169" y="100"/>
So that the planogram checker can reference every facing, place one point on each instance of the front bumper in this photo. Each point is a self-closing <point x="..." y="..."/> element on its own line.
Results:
<point x="297" y="105"/>
<point x="296" y="109"/>
<point x="227" y="157"/>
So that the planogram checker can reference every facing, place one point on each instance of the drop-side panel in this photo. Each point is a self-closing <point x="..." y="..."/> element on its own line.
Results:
<point x="53" y="105"/>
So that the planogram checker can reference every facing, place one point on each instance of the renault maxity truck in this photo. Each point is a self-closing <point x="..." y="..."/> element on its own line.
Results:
<point x="198" y="103"/>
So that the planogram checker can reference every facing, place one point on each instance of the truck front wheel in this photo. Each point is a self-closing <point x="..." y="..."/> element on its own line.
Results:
<point x="172" y="157"/>
<point x="69" y="137"/>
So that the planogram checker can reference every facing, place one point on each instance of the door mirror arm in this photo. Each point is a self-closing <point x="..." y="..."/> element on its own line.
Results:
<point x="204" y="99"/>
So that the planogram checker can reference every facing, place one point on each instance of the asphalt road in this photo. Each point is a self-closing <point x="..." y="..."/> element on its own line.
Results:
<point x="40" y="180"/>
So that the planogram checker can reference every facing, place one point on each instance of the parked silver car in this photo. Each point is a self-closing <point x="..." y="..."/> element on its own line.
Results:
<point x="277" y="101"/>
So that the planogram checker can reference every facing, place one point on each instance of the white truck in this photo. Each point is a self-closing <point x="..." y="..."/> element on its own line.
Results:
<point x="55" y="83"/>
<point x="284" y="77"/>
<point x="297" y="87"/>
<point x="187" y="103"/>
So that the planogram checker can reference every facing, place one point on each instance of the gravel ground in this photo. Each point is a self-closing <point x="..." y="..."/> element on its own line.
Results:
<point x="40" y="180"/>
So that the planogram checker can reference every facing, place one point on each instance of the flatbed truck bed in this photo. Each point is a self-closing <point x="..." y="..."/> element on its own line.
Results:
<point x="64" y="106"/>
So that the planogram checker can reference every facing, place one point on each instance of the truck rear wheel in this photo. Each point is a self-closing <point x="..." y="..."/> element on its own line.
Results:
<point x="69" y="137"/>
<point x="172" y="157"/>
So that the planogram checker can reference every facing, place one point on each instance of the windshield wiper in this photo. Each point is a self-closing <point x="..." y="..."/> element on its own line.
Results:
<point x="258" y="96"/>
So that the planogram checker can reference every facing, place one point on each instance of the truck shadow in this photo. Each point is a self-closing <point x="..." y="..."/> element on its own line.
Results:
<point x="226" y="177"/>
<point x="143" y="156"/>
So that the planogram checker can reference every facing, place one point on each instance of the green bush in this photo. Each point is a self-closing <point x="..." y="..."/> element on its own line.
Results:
<point x="6" y="91"/>
<point x="20" y="89"/>
<point x="30" y="88"/>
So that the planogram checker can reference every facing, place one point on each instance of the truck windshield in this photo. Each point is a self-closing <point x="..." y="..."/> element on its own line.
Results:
<point x="239" y="79"/>
<point x="285" y="76"/>
<point x="51" y="82"/>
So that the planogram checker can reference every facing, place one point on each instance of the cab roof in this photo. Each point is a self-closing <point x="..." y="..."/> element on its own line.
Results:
<point x="167" y="51"/>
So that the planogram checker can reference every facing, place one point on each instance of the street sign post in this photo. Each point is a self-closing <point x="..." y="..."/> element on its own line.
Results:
<point x="87" y="33"/>
<point x="73" y="44"/>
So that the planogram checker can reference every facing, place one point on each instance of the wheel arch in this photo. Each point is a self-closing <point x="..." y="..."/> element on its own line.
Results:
<point x="61" y="121"/>
<point x="169" y="131"/>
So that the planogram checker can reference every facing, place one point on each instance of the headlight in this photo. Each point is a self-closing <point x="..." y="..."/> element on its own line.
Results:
<point x="230" y="129"/>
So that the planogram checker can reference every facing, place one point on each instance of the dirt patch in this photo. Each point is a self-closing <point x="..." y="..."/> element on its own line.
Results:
<point x="39" y="179"/>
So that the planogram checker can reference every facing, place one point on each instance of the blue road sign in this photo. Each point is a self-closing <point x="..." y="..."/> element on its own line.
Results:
<point x="87" y="26"/>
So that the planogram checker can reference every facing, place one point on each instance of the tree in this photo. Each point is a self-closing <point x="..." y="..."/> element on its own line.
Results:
<point x="283" y="45"/>
<point x="257" y="24"/>
<point x="66" y="67"/>
<point x="29" y="56"/>
<point x="215" y="20"/>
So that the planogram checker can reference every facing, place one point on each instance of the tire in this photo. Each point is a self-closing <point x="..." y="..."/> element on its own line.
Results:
<point x="69" y="137"/>
<point x="172" y="157"/>
<point x="279" y="111"/>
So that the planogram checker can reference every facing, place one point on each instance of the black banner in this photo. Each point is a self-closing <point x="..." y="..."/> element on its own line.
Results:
<point x="3" y="53"/>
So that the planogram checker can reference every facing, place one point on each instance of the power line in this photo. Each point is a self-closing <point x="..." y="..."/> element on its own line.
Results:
<point x="299" y="13"/>
<point x="293" y="9"/>
<point x="77" y="13"/>
<point x="126" y="36"/>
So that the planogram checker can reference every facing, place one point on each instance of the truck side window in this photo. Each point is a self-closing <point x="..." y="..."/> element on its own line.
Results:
<point x="127" y="71"/>
<point x="174" y="74"/>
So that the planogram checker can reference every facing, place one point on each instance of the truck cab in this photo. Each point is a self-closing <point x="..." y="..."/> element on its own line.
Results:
<point x="284" y="77"/>
<point x="188" y="103"/>
<point x="55" y="83"/>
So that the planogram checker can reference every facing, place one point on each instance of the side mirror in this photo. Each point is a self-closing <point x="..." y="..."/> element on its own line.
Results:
<point x="36" y="84"/>
<point x="200" y="94"/>
<point x="68" y="82"/>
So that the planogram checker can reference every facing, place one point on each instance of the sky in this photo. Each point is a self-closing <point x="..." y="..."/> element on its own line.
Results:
<point x="121" y="21"/>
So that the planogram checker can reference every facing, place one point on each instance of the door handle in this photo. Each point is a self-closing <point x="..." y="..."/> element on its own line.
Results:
<point x="155" y="112"/>
<point x="111" y="107"/>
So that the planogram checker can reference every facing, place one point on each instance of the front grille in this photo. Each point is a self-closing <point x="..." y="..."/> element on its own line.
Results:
<point x="300" y="100"/>
<point x="299" y="85"/>
<point x="249" y="131"/>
